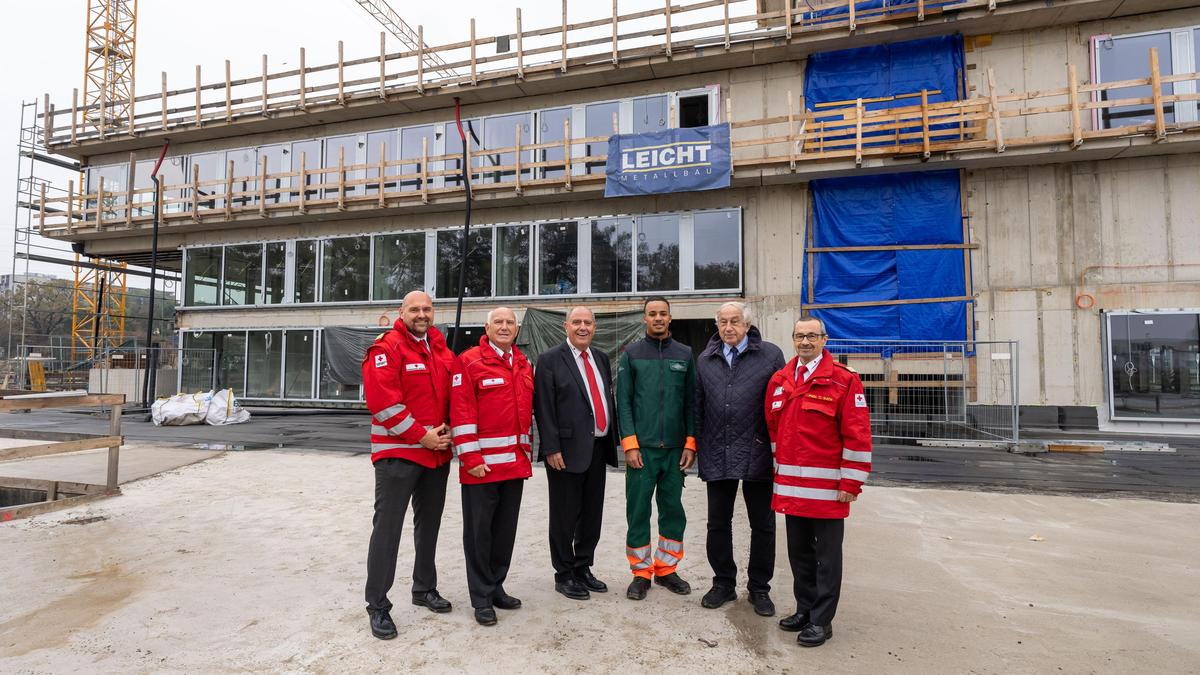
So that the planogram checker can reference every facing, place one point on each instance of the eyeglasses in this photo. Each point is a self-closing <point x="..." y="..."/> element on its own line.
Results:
<point x="811" y="337"/>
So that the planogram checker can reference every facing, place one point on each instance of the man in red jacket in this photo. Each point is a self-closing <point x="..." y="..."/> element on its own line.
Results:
<point x="491" y="414"/>
<point x="820" y="430"/>
<point x="406" y="379"/>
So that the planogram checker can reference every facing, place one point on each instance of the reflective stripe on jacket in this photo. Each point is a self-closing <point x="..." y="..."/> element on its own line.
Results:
<point x="491" y="413"/>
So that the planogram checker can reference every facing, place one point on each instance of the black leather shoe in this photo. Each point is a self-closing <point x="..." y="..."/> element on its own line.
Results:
<point x="637" y="588"/>
<point x="674" y="584"/>
<point x="485" y="616"/>
<point x="572" y="589"/>
<point x="381" y="624"/>
<point x="762" y="603"/>
<point x="590" y="582"/>
<point x="814" y="636"/>
<point x="717" y="596"/>
<point x="432" y="600"/>
<point x="793" y="623"/>
<point x="503" y="600"/>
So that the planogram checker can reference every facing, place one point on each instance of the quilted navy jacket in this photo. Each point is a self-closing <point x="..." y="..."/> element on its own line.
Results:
<point x="731" y="432"/>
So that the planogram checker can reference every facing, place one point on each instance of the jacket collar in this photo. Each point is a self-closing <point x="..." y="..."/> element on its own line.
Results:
<point x="715" y="346"/>
<point x="824" y="368"/>
<point x="658" y="344"/>
<point x="487" y="352"/>
<point x="435" y="337"/>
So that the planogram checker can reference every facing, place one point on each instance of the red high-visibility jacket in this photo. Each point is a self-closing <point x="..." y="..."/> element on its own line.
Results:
<point x="491" y="414"/>
<point x="821" y="438"/>
<point x="408" y="392"/>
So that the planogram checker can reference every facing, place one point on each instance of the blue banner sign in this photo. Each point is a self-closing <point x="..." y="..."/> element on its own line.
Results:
<point x="675" y="160"/>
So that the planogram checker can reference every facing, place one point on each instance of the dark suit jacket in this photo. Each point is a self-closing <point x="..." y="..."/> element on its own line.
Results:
<point x="565" y="420"/>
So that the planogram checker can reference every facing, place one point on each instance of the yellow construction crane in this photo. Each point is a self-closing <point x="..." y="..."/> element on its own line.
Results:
<point x="110" y="50"/>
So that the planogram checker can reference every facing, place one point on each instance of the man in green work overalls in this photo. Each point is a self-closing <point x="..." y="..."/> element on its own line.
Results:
<point x="656" y="381"/>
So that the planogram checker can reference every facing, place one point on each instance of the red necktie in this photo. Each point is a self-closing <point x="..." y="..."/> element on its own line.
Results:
<point x="594" y="390"/>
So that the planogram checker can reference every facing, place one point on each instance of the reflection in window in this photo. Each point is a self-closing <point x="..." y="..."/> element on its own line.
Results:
<point x="399" y="265"/>
<point x="1155" y="365"/>
<point x="501" y="132"/>
<point x="211" y="167"/>
<point x="231" y="360"/>
<point x="1128" y="58"/>
<point x="276" y="269"/>
<point x="243" y="275"/>
<point x="308" y="154"/>
<point x="298" y="367"/>
<point x="479" y="263"/>
<point x="650" y="114"/>
<point x="203" y="276"/>
<point x="658" y="253"/>
<point x="327" y="387"/>
<point x="512" y="260"/>
<point x="415" y="142"/>
<point x="344" y="267"/>
<point x="169" y="173"/>
<point x="116" y="185"/>
<point x="717" y="253"/>
<point x="264" y="358"/>
<point x="612" y="255"/>
<point x="306" y="272"/>
<point x="196" y="362"/>
<point x="389" y="142"/>
<point x="598" y="121"/>
<point x="550" y="130"/>
<point x="558" y="258"/>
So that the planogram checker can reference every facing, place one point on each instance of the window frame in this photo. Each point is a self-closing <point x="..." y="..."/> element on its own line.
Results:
<point x="1183" y="60"/>
<point x="1106" y="335"/>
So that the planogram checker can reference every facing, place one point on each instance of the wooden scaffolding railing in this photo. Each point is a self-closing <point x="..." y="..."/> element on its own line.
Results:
<point x="685" y="26"/>
<point x="829" y="134"/>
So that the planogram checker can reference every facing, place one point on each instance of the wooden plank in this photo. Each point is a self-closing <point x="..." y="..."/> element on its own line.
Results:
<point x="615" y="23"/>
<point x="228" y="189"/>
<point x="27" y="451"/>
<point x="924" y="124"/>
<point x="341" y="179"/>
<point x="228" y="94"/>
<point x="74" y="116"/>
<point x="114" y="449"/>
<point x="474" y="77"/>
<point x="725" y="22"/>
<point x="810" y="226"/>
<point x="995" y="108"/>
<point x="262" y="187"/>
<point x="568" y="165"/>
<point x="520" y="48"/>
<point x="265" y="95"/>
<point x="27" y="510"/>
<point x="163" y="125"/>
<point x="421" y="59"/>
<point x="886" y="303"/>
<point x="853" y="22"/>
<point x="341" y="73"/>
<point x="195" y="192"/>
<point x="63" y="487"/>
<point x="52" y="401"/>
<point x="858" y="127"/>
<point x="198" y="121"/>
<point x="303" y="181"/>
<point x="892" y="247"/>
<point x="1160" y="124"/>
<point x="1076" y="124"/>
<point x="563" y="65"/>
<point x="424" y="169"/>
<point x="517" y="174"/>
<point x="667" y="14"/>
<point x="303" y="88"/>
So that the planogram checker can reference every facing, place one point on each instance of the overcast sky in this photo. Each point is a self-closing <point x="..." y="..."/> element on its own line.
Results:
<point x="43" y="43"/>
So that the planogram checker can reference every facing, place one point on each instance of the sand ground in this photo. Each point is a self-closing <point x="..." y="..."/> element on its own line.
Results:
<point x="255" y="561"/>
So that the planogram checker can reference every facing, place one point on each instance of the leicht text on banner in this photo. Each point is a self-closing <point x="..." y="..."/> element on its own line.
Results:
<point x="675" y="160"/>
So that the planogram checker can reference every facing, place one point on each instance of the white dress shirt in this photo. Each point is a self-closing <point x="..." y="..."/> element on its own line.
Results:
<point x="809" y="368"/>
<point x="505" y="356"/>
<point x="599" y="384"/>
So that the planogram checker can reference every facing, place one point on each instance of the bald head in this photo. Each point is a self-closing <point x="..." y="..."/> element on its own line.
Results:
<point x="581" y="327"/>
<point x="416" y="311"/>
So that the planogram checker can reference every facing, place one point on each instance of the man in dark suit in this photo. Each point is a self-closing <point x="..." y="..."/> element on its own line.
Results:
<point x="572" y="402"/>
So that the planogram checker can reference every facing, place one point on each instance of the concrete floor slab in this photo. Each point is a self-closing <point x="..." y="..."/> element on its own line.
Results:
<point x="255" y="561"/>
<point x="91" y="466"/>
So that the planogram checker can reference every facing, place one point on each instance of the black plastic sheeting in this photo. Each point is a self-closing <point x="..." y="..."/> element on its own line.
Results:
<point x="343" y="350"/>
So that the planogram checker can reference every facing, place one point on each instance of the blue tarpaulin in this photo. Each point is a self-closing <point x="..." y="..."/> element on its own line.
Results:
<point x="933" y="64"/>
<point x="871" y="9"/>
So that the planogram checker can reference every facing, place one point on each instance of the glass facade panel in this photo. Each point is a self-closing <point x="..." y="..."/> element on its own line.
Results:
<point x="399" y="265"/>
<point x="196" y="362"/>
<point x="306" y="154"/>
<point x="231" y="361"/>
<point x="1125" y="58"/>
<point x="169" y="173"/>
<point x="558" y="258"/>
<point x="612" y="255"/>
<point x="650" y="114"/>
<point x="479" y="263"/>
<point x="550" y="129"/>
<point x="116" y="184"/>
<point x="717" y="250"/>
<point x="454" y="148"/>
<point x="389" y="142"/>
<point x="328" y="389"/>
<point x="298" y="362"/>
<point x="203" y="276"/>
<point x="344" y="269"/>
<point x="243" y="275"/>
<point x="344" y="149"/>
<point x="501" y="132"/>
<point x="1155" y="365"/>
<point x="411" y="147"/>
<point x="279" y="160"/>
<point x="264" y="357"/>
<point x="512" y="260"/>
<point x="305" y="289"/>
<point x="598" y="121"/>
<point x="276" y="269"/>
<point x="244" y="166"/>
<point x="658" y="253"/>
<point x="212" y="172"/>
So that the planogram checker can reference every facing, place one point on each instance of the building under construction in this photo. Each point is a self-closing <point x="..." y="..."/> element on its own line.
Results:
<point x="990" y="203"/>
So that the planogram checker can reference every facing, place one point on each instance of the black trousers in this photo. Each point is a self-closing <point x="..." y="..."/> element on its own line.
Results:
<point x="576" y="511"/>
<point x="490" y="513"/>
<point x="721" y="497"/>
<point x="815" y="553"/>
<point x="397" y="481"/>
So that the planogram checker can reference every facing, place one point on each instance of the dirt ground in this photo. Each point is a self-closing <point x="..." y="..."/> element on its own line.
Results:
<point x="255" y="561"/>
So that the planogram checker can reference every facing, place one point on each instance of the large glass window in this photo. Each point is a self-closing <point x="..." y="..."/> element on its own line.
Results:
<point x="344" y="269"/>
<point x="501" y="132"/>
<point x="203" y="276"/>
<point x="276" y="270"/>
<point x="558" y="258"/>
<point x="196" y="362"/>
<point x="231" y="361"/>
<point x="479" y="263"/>
<point x="650" y="114"/>
<point x="243" y="275"/>
<point x="717" y="250"/>
<point x="279" y="161"/>
<point x="305" y="289"/>
<point x="399" y="265"/>
<point x="473" y="129"/>
<point x="658" y="253"/>
<point x="116" y="185"/>
<point x="243" y="163"/>
<point x="298" y="371"/>
<point x="389" y="142"/>
<point x="1128" y="58"/>
<point x="264" y="358"/>
<point x="211" y="167"/>
<point x="512" y="260"/>
<point x="1155" y="365"/>
<point x="308" y="155"/>
<point x="330" y="389"/>
<point x="342" y="149"/>
<point x="550" y="129"/>
<point x="169" y="173"/>
<point x="598" y="121"/>
<point x="416" y="142"/>
<point x="612" y="255"/>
